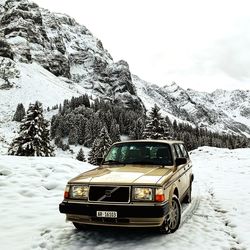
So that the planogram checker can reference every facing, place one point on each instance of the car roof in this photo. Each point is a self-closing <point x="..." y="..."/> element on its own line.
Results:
<point x="150" y="140"/>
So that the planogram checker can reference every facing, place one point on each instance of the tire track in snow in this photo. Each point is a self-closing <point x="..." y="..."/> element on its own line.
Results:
<point x="221" y="214"/>
<point x="189" y="210"/>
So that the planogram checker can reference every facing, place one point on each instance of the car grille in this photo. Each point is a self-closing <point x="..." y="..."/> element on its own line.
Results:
<point x="109" y="194"/>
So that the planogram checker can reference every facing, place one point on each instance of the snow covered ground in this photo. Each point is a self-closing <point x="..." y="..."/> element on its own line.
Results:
<point x="218" y="217"/>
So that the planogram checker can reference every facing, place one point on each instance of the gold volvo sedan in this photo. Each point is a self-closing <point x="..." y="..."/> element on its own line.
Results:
<point x="138" y="184"/>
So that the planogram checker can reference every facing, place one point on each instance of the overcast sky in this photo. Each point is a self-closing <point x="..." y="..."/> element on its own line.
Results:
<point x="199" y="44"/>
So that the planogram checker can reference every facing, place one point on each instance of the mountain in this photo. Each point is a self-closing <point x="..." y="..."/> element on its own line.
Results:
<point x="220" y="111"/>
<point x="50" y="57"/>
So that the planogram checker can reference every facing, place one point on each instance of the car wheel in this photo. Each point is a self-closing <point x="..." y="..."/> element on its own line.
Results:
<point x="173" y="218"/>
<point x="79" y="226"/>
<point x="188" y="197"/>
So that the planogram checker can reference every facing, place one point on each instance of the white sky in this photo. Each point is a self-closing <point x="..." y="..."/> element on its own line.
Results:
<point x="199" y="44"/>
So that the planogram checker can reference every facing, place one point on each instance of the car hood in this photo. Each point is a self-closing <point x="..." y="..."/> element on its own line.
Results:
<point x="128" y="174"/>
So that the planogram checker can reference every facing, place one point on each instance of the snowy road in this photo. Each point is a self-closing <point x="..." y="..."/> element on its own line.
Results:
<point x="31" y="188"/>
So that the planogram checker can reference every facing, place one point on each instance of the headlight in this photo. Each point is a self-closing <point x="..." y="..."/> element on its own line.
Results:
<point x="79" y="192"/>
<point x="140" y="193"/>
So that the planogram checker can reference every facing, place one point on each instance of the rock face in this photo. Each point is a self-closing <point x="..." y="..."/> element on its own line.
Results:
<point x="30" y="34"/>
<point x="8" y="72"/>
<point x="223" y="111"/>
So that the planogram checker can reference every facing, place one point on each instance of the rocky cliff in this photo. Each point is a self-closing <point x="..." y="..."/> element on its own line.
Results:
<point x="33" y="35"/>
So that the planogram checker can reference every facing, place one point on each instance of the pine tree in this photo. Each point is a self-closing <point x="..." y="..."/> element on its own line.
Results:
<point x="81" y="131"/>
<point x="80" y="156"/>
<point x="33" y="139"/>
<point x="88" y="134"/>
<point x="156" y="127"/>
<point x="168" y="121"/>
<point x="73" y="136"/>
<point x="115" y="132"/>
<point x="92" y="129"/>
<point x="137" y="129"/>
<point x="20" y="113"/>
<point x="100" y="146"/>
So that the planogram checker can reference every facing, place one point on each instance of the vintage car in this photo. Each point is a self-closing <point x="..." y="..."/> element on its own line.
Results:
<point x="139" y="183"/>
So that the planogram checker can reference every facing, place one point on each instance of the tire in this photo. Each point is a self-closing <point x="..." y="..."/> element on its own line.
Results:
<point x="173" y="218"/>
<point x="188" y="197"/>
<point x="79" y="226"/>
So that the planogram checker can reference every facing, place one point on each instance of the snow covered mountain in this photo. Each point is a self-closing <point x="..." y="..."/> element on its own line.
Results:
<point x="221" y="110"/>
<point x="50" y="57"/>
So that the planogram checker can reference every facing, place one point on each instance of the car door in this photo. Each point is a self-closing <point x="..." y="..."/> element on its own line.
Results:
<point x="189" y="164"/>
<point x="182" y="181"/>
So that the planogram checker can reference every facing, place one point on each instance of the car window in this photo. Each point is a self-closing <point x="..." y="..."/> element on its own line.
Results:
<point x="184" y="151"/>
<point x="141" y="153"/>
<point x="178" y="151"/>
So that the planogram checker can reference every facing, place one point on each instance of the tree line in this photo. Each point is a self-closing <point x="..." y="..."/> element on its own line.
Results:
<point x="98" y="123"/>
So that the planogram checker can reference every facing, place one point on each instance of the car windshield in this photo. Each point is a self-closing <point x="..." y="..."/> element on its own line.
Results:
<point x="151" y="153"/>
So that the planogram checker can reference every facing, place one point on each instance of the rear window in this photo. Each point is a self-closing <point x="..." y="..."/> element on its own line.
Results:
<point x="178" y="151"/>
<point x="184" y="151"/>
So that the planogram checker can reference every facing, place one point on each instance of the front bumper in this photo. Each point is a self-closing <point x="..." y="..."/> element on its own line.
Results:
<point x="127" y="215"/>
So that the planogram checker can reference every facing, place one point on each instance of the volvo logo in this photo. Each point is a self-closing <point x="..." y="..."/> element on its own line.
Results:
<point x="108" y="193"/>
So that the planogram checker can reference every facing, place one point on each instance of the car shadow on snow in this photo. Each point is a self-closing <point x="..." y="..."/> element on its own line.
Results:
<point x="118" y="233"/>
<point x="118" y="238"/>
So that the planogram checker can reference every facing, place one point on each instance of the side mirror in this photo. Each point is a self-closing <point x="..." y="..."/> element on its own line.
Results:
<point x="180" y="161"/>
<point x="99" y="160"/>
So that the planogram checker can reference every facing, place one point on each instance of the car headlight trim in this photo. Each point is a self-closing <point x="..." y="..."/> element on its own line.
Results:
<point x="79" y="192"/>
<point x="143" y="193"/>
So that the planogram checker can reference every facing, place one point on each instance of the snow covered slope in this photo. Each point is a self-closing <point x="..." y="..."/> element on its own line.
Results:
<point x="34" y="83"/>
<point x="220" y="111"/>
<point x="32" y="188"/>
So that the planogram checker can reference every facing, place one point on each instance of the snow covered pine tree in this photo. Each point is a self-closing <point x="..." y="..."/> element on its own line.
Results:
<point x="156" y="127"/>
<point x="137" y="129"/>
<point x="34" y="138"/>
<point x="100" y="146"/>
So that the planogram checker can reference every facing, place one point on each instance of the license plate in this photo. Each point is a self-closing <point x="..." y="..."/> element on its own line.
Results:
<point x="106" y="214"/>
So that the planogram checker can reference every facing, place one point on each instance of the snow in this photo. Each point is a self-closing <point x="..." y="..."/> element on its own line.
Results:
<point x="34" y="84"/>
<point x="31" y="189"/>
<point x="217" y="218"/>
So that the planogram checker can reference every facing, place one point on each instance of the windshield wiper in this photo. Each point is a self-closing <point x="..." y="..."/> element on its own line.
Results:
<point x="140" y="162"/>
<point x="147" y="163"/>
<point x="112" y="162"/>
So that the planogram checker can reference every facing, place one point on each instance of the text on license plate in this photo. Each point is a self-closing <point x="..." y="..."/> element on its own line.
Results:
<point x="106" y="214"/>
